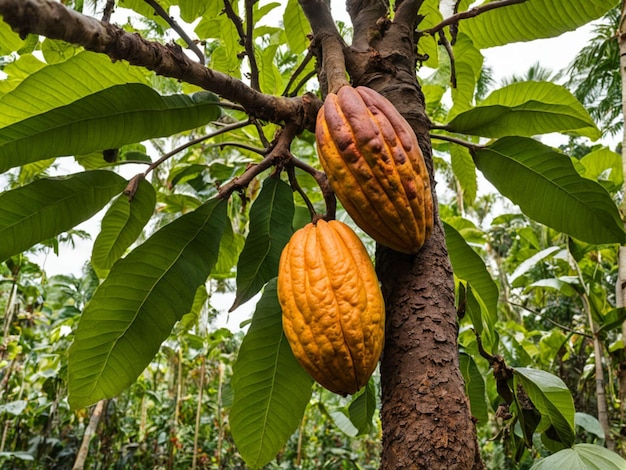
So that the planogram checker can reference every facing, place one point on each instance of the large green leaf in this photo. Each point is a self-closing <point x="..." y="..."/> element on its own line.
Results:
<point x="121" y="225"/>
<point x="526" y="109"/>
<point x="110" y="118"/>
<point x="133" y="311"/>
<point x="474" y="388"/>
<point x="605" y="166"/>
<point x="582" y="457"/>
<point x="61" y="84"/>
<point x="49" y="206"/>
<point x="469" y="266"/>
<point x="551" y="397"/>
<point x="544" y="183"/>
<point x="531" y="20"/>
<point x="271" y="389"/>
<point x="270" y="229"/>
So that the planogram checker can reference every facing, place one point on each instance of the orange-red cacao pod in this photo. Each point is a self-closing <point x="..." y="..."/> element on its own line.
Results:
<point x="376" y="168"/>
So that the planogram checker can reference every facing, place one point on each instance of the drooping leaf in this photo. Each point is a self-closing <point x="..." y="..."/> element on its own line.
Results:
<point x="468" y="265"/>
<point x="531" y="20"/>
<point x="270" y="229"/>
<point x="49" y="206"/>
<point x="544" y="183"/>
<point x="582" y="457"/>
<point x="589" y="423"/>
<point x="106" y="119"/>
<point x="526" y="109"/>
<point x="362" y="407"/>
<point x="121" y="225"/>
<point x="465" y="171"/>
<point x="475" y="388"/>
<point x="133" y="311"/>
<point x="551" y="397"/>
<point x="468" y="62"/>
<point x="230" y="249"/>
<point x="296" y="27"/>
<point x="532" y="261"/>
<point x="271" y="389"/>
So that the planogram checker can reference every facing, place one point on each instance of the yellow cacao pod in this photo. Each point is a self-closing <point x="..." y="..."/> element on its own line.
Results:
<point x="333" y="309"/>
<point x="376" y="168"/>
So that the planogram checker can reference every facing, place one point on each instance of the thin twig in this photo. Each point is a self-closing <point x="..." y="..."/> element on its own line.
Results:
<point x="301" y="83"/>
<point x="231" y="127"/>
<point x="159" y="10"/>
<point x="293" y="181"/>
<point x="108" y="11"/>
<point x="455" y="140"/>
<point x="260" y="151"/>
<point x="322" y="182"/>
<point x="249" y="45"/>
<point x="280" y="152"/>
<point x="443" y="40"/>
<point x="471" y="13"/>
<point x="550" y="320"/>
<point x="262" y="136"/>
<point x="298" y="71"/>
<point x="244" y="39"/>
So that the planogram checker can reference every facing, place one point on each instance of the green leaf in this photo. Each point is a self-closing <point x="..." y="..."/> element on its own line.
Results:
<point x="533" y="19"/>
<point x="230" y="249"/>
<point x="582" y="457"/>
<point x="61" y="84"/>
<point x="362" y="407"/>
<point x="526" y="109"/>
<point x="612" y="319"/>
<point x="469" y="266"/>
<point x="544" y="183"/>
<point x="133" y="311"/>
<point x="428" y="44"/>
<point x="49" y="206"/>
<point x="121" y="225"/>
<point x="532" y="261"/>
<point x="589" y="423"/>
<point x="605" y="166"/>
<point x="17" y="71"/>
<point x="296" y="27"/>
<point x="552" y="399"/>
<point x="10" y="41"/>
<point x="110" y="118"/>
<point x="468" y="62"/>
<point x="475" y="388"/>
<point x="465" y="171"/>
<point x="270" y="229"/>
<point x="271" y="389"/>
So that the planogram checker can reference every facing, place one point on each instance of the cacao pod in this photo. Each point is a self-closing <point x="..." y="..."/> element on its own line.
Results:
<point x="333" y="310"/>
<point x="376" y="168"/>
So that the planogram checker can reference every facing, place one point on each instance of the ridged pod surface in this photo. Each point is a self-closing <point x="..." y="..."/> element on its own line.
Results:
<point x="333" y="309"/>
<point x="376" y="168"/>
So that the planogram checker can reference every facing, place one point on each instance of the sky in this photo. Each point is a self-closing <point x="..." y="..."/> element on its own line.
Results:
<point x="555" y="54"/>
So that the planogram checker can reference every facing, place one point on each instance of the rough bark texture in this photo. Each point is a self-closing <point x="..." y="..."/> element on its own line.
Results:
<point x="425" y="413"/>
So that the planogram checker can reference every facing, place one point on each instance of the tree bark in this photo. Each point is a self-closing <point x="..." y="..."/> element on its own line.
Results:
<point x="425" y="414"/>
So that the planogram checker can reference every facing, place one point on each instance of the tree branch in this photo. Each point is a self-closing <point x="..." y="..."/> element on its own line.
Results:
<point x="245" y="38"/>
<point x="52" y="19"/>
<point x="443" y="40"/>
<point x="328" y="39"/>
<point x="159" y="10"/>
<point x="406" y="13"/>
<point x="471" y="13"/>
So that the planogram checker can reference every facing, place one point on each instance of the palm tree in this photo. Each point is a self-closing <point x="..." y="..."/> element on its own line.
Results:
<point x="594" y="75"/>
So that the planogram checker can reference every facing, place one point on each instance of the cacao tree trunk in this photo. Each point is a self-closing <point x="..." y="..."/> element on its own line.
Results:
<point x="425" y="414"/>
